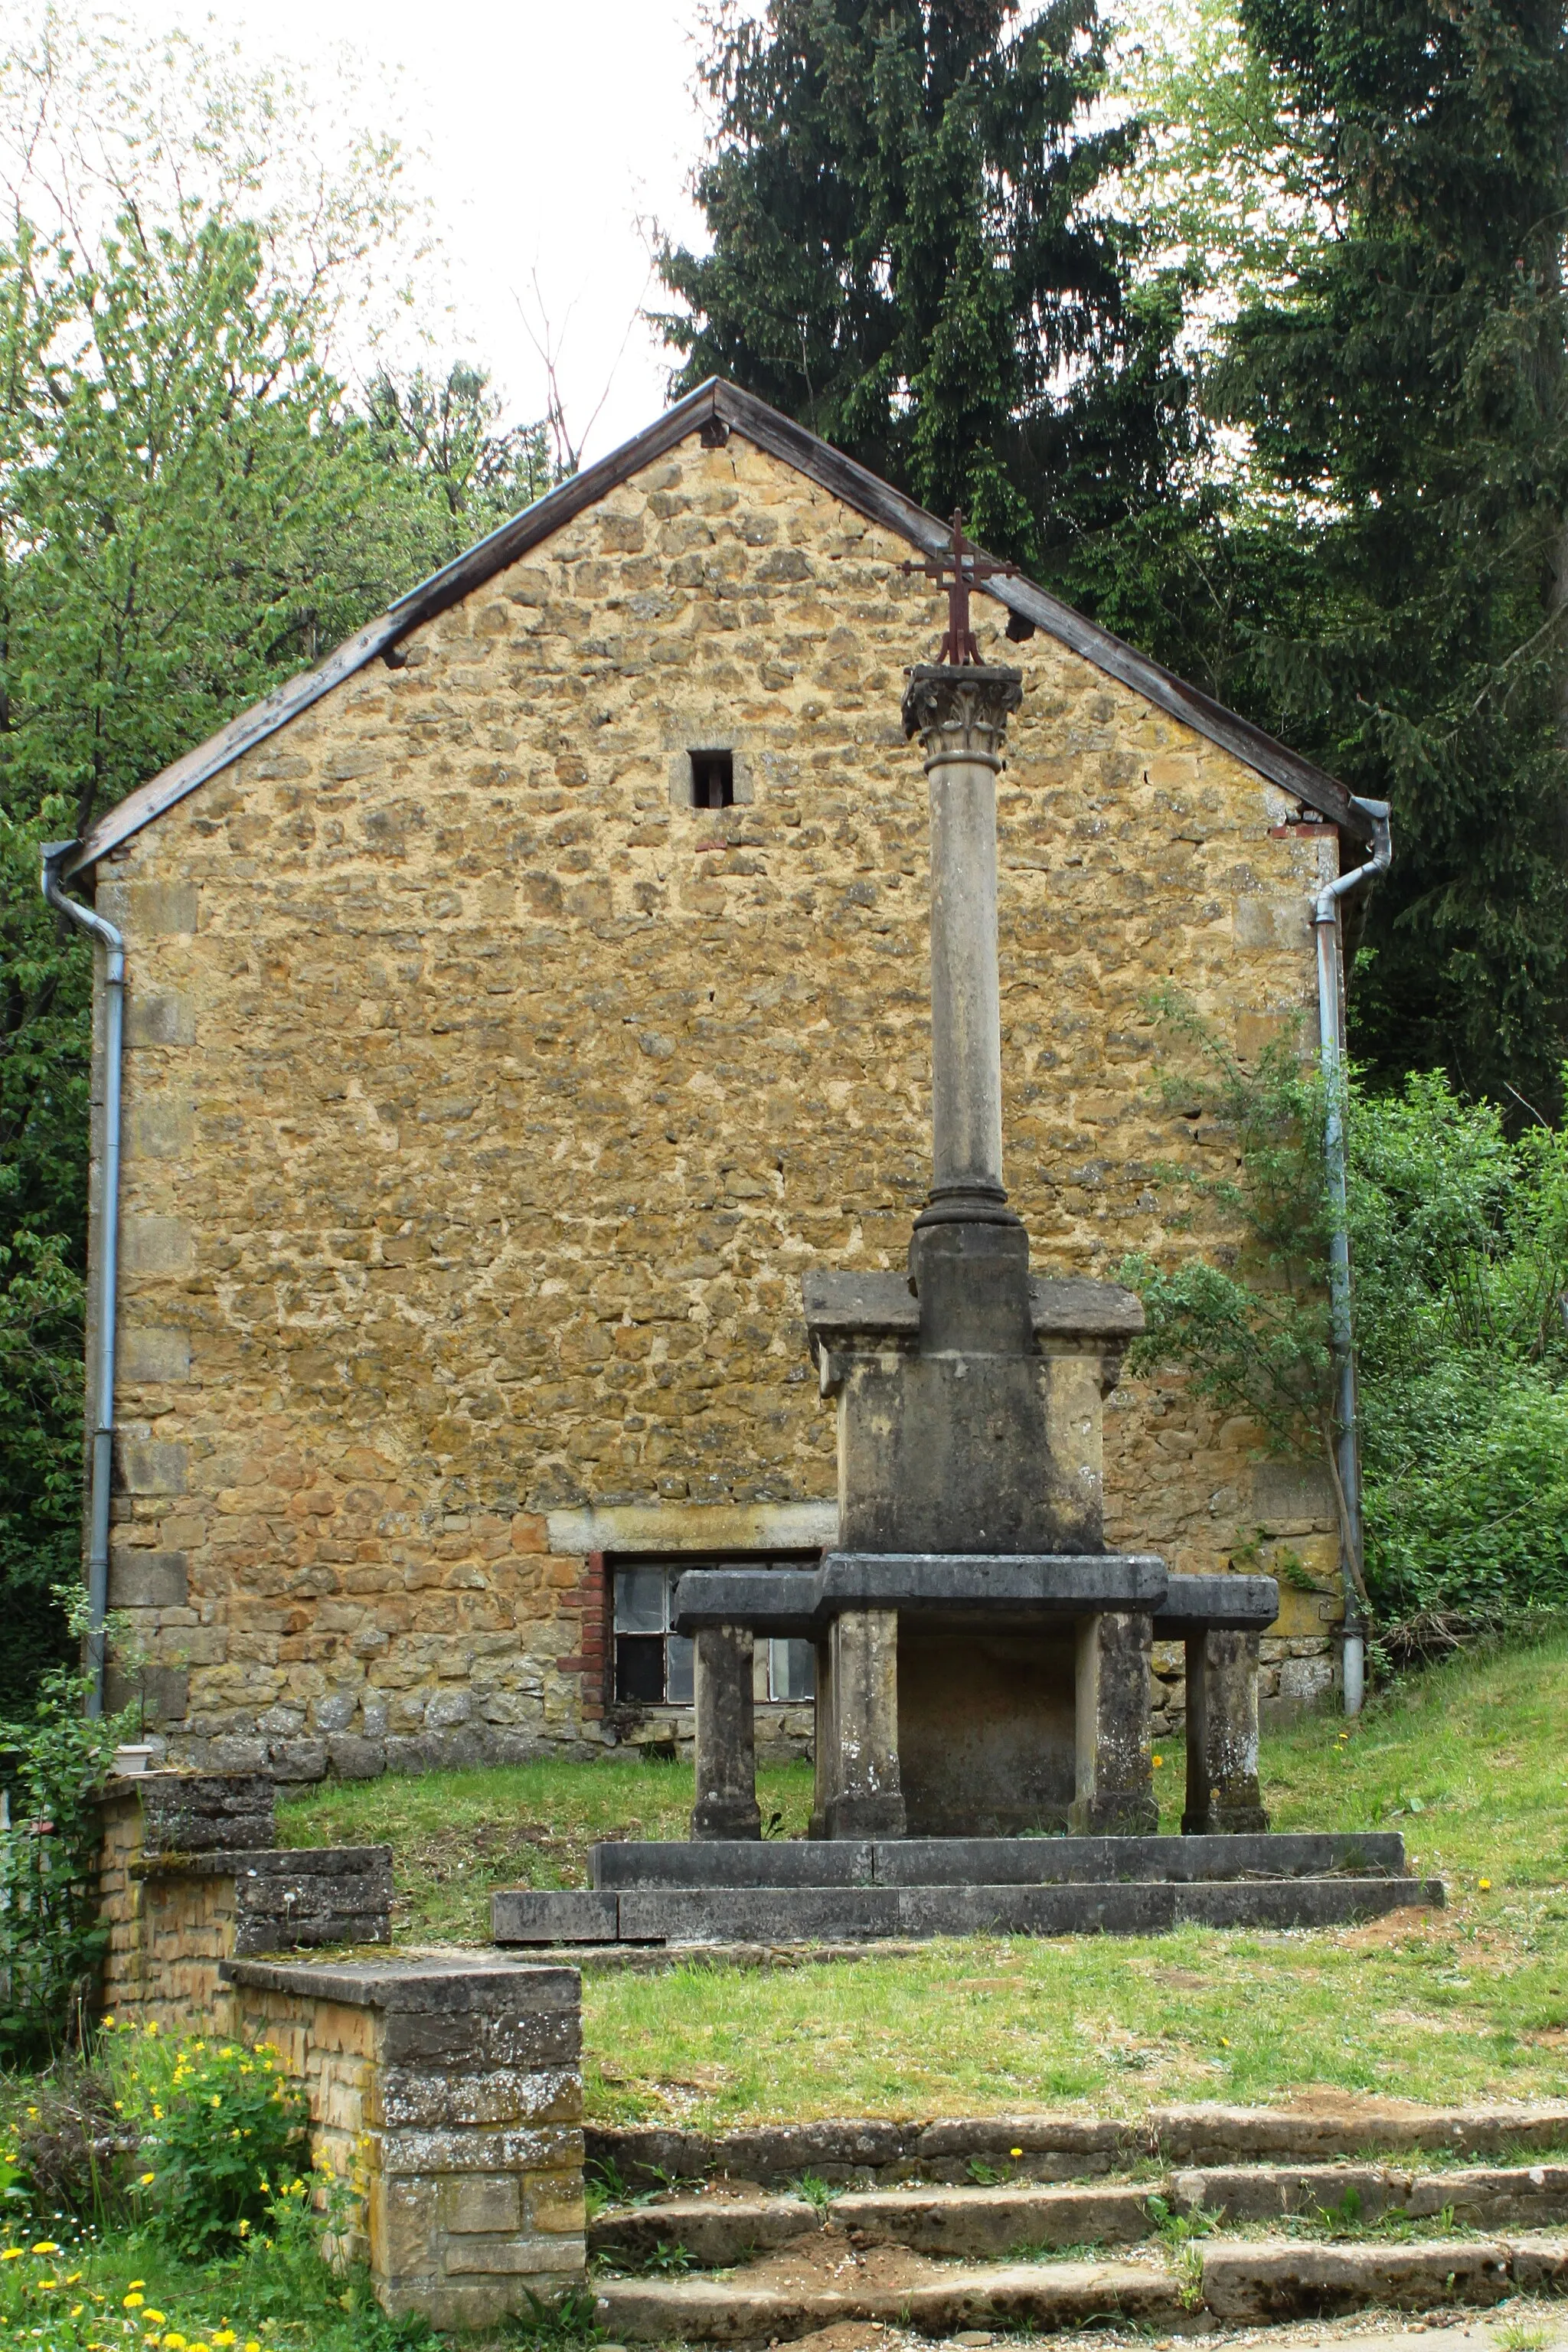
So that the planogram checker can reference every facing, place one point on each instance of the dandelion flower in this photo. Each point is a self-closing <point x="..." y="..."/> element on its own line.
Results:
<point x="11" y="2254"/>
<point x="1158" y="1762"/>
<point x="1485" y="1885"/>
<point x="150" y="2318"/>
<point x="1015" y="2151"/>
<point x="134" y="2302"/>
<point x="45" y="2246"/>
<point x="148" y="2178"/>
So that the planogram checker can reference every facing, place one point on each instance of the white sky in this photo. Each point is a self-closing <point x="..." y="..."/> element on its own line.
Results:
<point x="550" y="126"/>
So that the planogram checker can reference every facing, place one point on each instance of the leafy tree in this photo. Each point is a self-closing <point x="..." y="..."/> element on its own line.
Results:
<point x="191" y="508"/>
<point x="1405" y="403"/>
<point x="907" y="256"/>
<point x="1459" y="1239"/>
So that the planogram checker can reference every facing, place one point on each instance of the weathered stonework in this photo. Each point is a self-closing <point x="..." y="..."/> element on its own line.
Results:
<point x="191" y="1874"/>
<point x="485" y="1106"/>
<point x="449" y="2095"/>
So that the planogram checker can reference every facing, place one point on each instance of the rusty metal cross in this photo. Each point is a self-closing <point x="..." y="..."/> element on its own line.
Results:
<point x="967" y="567"/>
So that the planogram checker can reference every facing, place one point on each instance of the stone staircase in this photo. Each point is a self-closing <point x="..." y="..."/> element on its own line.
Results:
<point x="1194" y="2219"/>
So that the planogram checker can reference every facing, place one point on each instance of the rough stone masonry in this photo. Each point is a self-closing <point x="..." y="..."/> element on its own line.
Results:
<point x="486" y="1102"/>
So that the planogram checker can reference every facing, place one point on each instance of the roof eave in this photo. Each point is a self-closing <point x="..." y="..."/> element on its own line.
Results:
<point x="877" y="500"/>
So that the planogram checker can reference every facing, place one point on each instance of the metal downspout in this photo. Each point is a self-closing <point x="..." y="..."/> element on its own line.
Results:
<point x="54" y="854"/>
<point x="1331" y="1061"/>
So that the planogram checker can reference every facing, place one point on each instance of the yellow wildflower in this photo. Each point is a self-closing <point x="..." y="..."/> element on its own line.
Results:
<point x="134" y="2302"/>
<point x="1485" y="1885"/>
<point x="1015" y="2151"/>
<point x="1158" y="1762"/>
<point x="45" y="2246"/>
<point x="11" y="2254"/>
<point x="224" y="2337"/>
<point x="148" y="2178"/>
<point x="150" y="2318"/>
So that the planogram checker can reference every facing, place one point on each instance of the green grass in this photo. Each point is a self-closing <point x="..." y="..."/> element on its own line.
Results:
<point x="1469" y="1761"/>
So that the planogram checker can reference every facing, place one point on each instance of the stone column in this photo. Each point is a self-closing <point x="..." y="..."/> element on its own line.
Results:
<point x="961" y="716"/>
<point x="1223" y="1795"/>
<point x="865" y="1798"/>
<point x="726" y="1742"/>
<point x="1115" y="1795"/>
<point x="824" y="1743"/>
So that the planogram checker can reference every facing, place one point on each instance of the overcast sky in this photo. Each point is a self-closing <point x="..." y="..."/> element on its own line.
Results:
<point x="552" y="126"/>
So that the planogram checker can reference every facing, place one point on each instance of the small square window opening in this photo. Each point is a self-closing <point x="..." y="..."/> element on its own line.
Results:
<point x="712" y="779"/>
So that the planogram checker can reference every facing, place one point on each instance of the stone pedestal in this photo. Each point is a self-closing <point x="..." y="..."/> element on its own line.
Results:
<point x="726" y="1745"/>
<point x="859" y="1790"/>
<point x="1115" y="1793"/>
<point x="1223" y="1795"/>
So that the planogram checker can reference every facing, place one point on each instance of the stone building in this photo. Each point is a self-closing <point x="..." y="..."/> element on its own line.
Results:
<point x="521" y="1003"/>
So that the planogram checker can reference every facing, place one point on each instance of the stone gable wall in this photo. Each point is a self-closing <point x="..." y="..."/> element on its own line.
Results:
<point x="485" y="1106"/>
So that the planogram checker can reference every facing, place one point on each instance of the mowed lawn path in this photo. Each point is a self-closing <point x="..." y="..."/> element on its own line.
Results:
<point x="1470" y="1761"/>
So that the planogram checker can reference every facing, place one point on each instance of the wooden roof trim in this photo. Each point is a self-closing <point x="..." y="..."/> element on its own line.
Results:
<point x="877" y="500"/>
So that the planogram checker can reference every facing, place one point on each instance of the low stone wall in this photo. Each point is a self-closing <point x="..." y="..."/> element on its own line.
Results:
<point x="190" y="1876"/>
<point x="449" y="2093"/>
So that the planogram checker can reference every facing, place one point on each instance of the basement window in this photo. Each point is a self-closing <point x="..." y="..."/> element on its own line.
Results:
<point x="653" y="1666"/>
<point x="712" y="779"/>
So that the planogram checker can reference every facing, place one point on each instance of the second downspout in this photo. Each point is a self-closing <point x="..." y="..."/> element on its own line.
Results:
<point x="107" y="1286"/>
<point x="1331" y="1061"/>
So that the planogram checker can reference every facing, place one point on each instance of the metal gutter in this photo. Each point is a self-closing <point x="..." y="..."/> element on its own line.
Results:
<point x="55" y="853"/>
<point x="1330" y="1062"/>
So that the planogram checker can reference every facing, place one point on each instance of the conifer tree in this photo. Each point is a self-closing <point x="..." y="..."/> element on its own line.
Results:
<point x="1406" y="398"/>
<point x="907" y="256"/>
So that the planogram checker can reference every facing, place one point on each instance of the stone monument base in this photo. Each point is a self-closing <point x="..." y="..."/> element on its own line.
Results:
<point x="845" y="1890"/>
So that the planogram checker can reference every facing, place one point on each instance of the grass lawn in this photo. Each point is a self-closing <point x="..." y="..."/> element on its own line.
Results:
<point x="1468" y="1760"/>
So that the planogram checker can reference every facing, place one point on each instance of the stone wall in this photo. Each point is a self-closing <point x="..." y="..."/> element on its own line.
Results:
<point x="177" y="1902"/>
<point x="485" y="1106"/>
<point x="450" y="2097"/>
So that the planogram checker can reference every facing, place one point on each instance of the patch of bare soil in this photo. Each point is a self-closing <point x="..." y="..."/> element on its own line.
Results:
<point x="1365" y="2106"/>
<point x="851" y="2335"/>
<point x="1413" y="1923"/>
<point x="826" y="2261"/>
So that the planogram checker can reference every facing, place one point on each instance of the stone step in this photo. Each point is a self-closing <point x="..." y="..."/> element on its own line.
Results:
<point x="1234" y="2282"/>
<point x="743" y="2311"/>
<point x="1281" y="2279"/>
<point x="854" y="2150"/>
<point x="1495" y="2197"/>
<point x="805" y="1915"/>
<point x="919" y="1861"/>
<point x="984" y="2220"/>
<point x="944" y="2222"/>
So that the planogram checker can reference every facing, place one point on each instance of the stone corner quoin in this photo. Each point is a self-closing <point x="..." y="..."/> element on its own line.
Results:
<point x="485" y="1104"/>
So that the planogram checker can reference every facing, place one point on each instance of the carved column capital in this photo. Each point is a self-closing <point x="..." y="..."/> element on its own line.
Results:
<point x="961" y="713"/>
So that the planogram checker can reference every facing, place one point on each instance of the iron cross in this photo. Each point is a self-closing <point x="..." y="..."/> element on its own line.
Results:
<point x="968" y="567"/>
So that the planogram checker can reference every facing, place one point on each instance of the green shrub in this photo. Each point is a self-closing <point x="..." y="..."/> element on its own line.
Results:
<point x="52" y="1939"/>
<point x="224" y="2138"/>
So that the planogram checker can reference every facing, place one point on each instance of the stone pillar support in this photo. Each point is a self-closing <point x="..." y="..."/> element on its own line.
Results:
<point x="1223" y="1794"/>
<point x="859" y="1790"/>
<point x="961" y="716"/>
<point x="726" y="1744"/>
<point x="1115" y="1794"/>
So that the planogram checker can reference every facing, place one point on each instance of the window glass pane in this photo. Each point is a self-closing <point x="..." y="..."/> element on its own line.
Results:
<point x="640" y="1668"/>
<point x="677" y="1688"/>
<point x="640" y="1600"/>
<point x="792" y="1669"/>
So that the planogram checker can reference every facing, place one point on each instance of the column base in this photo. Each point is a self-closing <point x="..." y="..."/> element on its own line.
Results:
<point x="1113" y="1812"/>
<point x="1226" y="1821"/>
<point x="726" y="1817"/>
<point x="864" y="1816"/>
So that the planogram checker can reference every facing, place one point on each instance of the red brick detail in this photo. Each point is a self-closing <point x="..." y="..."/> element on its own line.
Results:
<point x="591" y="1597"/>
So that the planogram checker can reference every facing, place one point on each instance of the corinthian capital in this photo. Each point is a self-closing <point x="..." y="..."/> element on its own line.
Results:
<point x="961" y="713"/>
